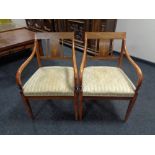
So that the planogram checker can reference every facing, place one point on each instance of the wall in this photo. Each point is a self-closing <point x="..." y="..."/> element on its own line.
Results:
<point x="140" y="37"/>
<point x="20" y="22"/>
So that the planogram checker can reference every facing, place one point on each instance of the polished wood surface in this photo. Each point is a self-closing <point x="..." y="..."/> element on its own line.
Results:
<point x="104" y="36"/>
<point x="22" y="67"/>
<point x="15" y="40"/>
<point x="136" y="67"/>
<point x="36" y="50"/>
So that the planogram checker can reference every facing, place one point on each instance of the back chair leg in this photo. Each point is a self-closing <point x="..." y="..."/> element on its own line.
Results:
<point x="80" y="106"/>
<point x="76" y="106"/>
<point x="28" y="106"/>
<point x="130" y="107"/>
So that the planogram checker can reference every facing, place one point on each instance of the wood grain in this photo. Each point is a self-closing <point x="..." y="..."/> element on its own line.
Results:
<point x="105" y="35"/>
<point x="106" y="38"/>
<point x="15" y="38"/>
<point x="36" y="49"/>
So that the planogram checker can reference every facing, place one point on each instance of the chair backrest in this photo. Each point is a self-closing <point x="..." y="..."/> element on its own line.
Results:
<point x="53" y="45"/>
<point x="104" y="41"/>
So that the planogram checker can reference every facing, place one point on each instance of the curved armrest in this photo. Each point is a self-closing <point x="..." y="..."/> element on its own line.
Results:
<point x="75" y="67"/>
<point x="137" y="69"/>
<point x="21" y="68"/>
<point x="83" y="63"/>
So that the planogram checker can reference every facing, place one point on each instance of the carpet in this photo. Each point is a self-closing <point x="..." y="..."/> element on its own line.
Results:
<point x="56" y="117"/>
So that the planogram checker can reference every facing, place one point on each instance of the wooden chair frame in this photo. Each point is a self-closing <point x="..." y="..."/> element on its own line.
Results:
<point x="39" y="53"/>
<point x="124" y="52"/>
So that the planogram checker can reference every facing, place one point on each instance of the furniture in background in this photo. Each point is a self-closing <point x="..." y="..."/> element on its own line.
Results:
<point x="39" y="25"/>
<point x="106" y="82"/>
<point x="50" y="82"/>
<point x="78" y="26"/>
<point x="15" y="39"/>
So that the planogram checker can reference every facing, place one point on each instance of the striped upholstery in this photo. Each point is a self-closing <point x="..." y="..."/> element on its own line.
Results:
<point x="50" y="81"/>
<point x="106" y="81"/>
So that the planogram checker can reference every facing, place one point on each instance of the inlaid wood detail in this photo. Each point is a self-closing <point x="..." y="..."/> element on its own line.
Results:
<point x="50" y="54"/>
<point x="106" y="39"/>
<point x="104" y="47"/>
<point x="54" y="43"/>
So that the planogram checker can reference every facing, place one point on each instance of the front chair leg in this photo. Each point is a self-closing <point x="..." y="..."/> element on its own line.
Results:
<point x="76" y="106"/>
<point x="27" y="105"/>
<point x="80" y="106"/>
<point x="130" y="107"/>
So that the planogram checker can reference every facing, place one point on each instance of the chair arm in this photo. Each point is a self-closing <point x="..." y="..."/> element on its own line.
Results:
<point x="83" y="63"/>
<point x="21" y="68"/>
<point x="137" y="69"/>
<point x="75" y="68"/>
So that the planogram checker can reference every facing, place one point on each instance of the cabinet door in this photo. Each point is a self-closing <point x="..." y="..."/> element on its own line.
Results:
<point x="94" y="27"/>
<point x="110" y="25"/>
<point x="48" y="25"/>
<point x="35" y="24"/>
<point x="77" y="26"/>
<point x="40" y="24"/>
<point x="60" y="25"/>
<point x="101" y="25"/>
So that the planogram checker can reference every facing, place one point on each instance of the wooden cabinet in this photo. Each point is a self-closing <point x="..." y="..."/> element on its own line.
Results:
<point x="79" y="26"/>
<point x="14" y="40"/>
<point x="40" y="24"/>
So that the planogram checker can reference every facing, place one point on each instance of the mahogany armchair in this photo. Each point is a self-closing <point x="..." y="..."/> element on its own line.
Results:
<point x="106" y="82"/>
<point x="50" y="82"/>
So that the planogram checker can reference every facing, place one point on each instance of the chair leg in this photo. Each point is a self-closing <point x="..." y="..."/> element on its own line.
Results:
<point x="80" y="106"/>
<point x="130" y="107"/>
<point x="76" y="106"/>
<point x="28" y="106"/>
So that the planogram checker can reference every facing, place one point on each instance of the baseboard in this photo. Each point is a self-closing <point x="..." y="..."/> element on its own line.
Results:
<point x="135" y="58"/>
<point x="139" y="59"/>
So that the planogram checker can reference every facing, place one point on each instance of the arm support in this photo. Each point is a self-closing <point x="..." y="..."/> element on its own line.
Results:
<point x="21" y="68"/>
<point x="137" y="69"/>
<point x="75" y="67"/>
<point x="83" y="63"/>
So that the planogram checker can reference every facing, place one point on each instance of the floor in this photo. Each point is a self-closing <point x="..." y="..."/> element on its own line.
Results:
<point x="57" y="116"/>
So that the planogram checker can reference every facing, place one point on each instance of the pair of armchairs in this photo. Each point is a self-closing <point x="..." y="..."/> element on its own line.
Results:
<point x="100" y="82"/>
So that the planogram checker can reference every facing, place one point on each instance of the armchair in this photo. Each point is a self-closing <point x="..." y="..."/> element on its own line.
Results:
<point x="50" y="82"/>
<point x="106" y="82"/>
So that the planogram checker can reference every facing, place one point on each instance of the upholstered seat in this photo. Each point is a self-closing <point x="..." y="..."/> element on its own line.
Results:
<point x="50" y="81"/>
<point x="106" y="81"/>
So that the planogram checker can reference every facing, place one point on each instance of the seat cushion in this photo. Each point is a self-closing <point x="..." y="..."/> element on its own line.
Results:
<point x="106" y="81"/>
<point x="50" y="81"/>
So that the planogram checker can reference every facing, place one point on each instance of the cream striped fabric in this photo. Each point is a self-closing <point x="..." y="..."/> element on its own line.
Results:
<point x="50" y="81"/>
<point x="106" y="81"/>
